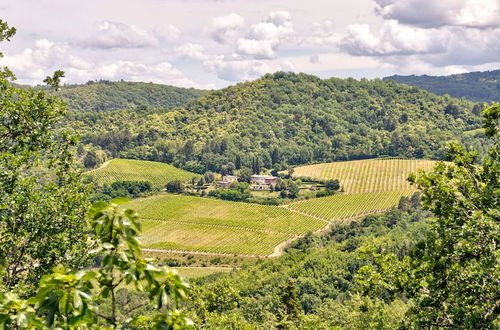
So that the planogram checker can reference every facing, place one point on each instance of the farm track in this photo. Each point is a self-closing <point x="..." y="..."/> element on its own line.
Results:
<point x="288" y="207"/>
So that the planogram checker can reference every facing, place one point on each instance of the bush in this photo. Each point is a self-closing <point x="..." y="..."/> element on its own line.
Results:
<point x="332" y="185"/>
<point x="175" y="187"/>
<point x="325" y="193"/>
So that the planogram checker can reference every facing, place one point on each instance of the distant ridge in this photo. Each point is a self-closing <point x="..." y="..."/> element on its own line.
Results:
<point x="475" y="86"/>
<point x="104" y="95"/>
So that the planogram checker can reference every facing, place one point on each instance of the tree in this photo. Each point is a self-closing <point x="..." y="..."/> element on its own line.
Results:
<point x="453" y="276"/>
<point x="90" y="159"/>
<point x="288" y="189"/>
<point x="209" y="176"/>
<point x="227" y="169"/>
<point x="332" y="185"/>
<point x="291" y="308"/>
<point x="175" y="186"/>
<point x="70" y="300"/>
<point x="245" y="175"/>
<point x="41" y="219"/>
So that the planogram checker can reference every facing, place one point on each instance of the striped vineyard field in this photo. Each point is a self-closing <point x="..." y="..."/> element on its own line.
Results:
<point x="343" y="206"/>
<point x="139" y="170"/>
<point x="369" y="175"/>
<point x="176" y="222"/>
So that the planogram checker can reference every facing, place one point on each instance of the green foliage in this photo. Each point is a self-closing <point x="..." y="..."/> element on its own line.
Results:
<point x="452" y="277"/>
<point x="101" y="96"/>
<point x="175" y="186"/>
<point x="475" y="86"/>
<point x="290" y="301"/>
<point x="288" y="188"/>
<point x="69" y="300"/>
<point x="42" y="199"/>
<point x="286" y="118"/>
<point x="332" y="184"/>
<point x="129" y="189"/>
<point x="322" y="270"/>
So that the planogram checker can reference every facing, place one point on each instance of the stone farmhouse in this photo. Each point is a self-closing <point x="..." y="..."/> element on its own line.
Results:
<point x="226" y="181"/>
<point x="263" y="182"/>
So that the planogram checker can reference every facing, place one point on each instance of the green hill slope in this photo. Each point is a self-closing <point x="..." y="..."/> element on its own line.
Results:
<point x="174" y="222"/>
<point x="287" y="118"/>
<point x="113" y="95"/>
<point x="139" y="170"/>
<point x="475" y="86"/>
<point x="368" y="175"/>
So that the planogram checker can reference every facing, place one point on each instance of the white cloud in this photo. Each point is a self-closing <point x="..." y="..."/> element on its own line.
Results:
<point x="434" y="13"/>
<point x="32" y="65"/>
<point x="264" y="38"/>
<point x="234" y="68"/>
<point x="169" y="32"/>
<point x="391" y="39"/>
<point x="118" y="35"/>
<point x="322" y="34"/>
<point x="190" y="50"/>
<point x="225" y="27"/>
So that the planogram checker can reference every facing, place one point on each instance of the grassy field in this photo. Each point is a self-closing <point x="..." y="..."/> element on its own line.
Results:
<point x="343" y="206"/>
<point x="139" y="170"/>
<point x="176" y="222"/>
<point x="369" y="175"/>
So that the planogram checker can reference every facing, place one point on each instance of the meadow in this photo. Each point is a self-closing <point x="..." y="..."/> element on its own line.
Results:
<point x="368" y="175"/>
<point x="139" y="170"/>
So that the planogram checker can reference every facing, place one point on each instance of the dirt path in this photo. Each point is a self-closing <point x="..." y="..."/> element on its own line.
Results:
<point x="103" y="165"/>
<point x="288" y="207"/>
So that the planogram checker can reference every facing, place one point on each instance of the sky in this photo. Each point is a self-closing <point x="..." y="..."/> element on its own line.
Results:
<point x="215" y="43"/>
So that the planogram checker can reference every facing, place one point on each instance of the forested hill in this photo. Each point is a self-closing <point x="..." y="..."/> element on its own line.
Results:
<point x="287" y="119"/>
<point x="475" y="86"/>
<point x="113" y="95"/>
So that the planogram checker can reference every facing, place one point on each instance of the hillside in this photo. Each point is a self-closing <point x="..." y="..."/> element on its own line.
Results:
<point x="112" y="95"/>
<point x="287" y="119"/>
<point x="368" y="175"/>
<point x="185" y="223"/>
<point x="475" y="86"/>
<point x="139" y="170"/>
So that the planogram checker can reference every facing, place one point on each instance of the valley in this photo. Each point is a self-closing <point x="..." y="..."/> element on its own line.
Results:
<point x="186" y="223"/>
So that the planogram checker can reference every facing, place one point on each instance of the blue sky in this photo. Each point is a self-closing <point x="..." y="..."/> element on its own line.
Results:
<point x="215" y="43"/>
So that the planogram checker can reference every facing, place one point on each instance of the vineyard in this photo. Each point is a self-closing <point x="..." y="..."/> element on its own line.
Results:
<point x="344" y="206"/>
<point x="175" y="222"/>
<point x="370" y="175"/>
<point x="195" y="272"/>
<point x="139" y="170"/>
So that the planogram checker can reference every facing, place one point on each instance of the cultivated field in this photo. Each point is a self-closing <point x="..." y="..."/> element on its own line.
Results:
<point x="342" y="206"/>
<point x="370" y="175"/>
<point x="195" y="272"/>
<point x="139" y="170"/>
<point x="204" y="225"/>
<point x="175" y="222"/>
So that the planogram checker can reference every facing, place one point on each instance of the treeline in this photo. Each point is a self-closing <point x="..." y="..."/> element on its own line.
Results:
<point x="475" y="86"/>
<point x="286" y="119"/>
<point x="104" y="95"/>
